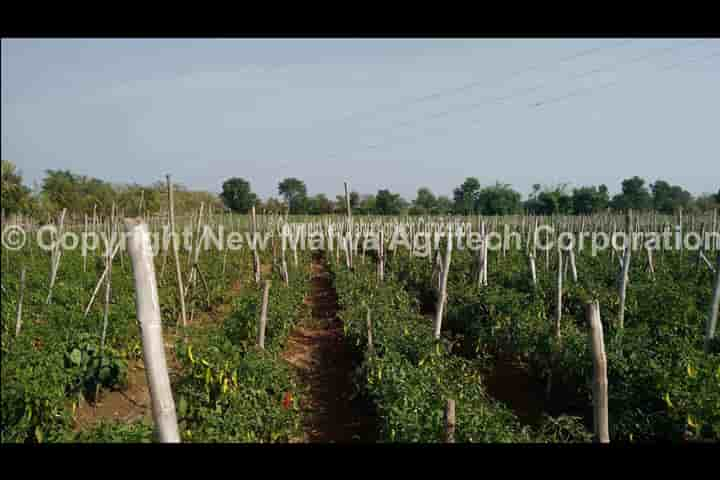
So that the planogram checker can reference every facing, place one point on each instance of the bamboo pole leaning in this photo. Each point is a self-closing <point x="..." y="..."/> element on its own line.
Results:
<point x="442" y="297"/>
<point x="148" y="313"/>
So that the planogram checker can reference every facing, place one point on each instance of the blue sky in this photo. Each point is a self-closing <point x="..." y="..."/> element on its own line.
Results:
<point x="380" y="113"/>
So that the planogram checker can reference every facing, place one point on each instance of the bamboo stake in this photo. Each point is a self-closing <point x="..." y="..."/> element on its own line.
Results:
<point x="173" y="240"/>
<point x="450" y="421"/>
<point x="368" y="321"/>
<point x="713" y="314"/>
<point x="600" y="383"/>
<point x="18" y="317"/>
<point x="624" y="278"/>
<point x="56" y="254"/>
<point x="256" y="257"/>
<point x="443" y="290"/>
<point x="148" y="313"/>
<point x="558" y="312"/>
<point x="263" y="316"/>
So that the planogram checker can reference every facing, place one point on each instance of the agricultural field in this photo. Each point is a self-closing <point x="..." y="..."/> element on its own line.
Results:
<point x="327" y="336"/>
<point x="359" y="241"/>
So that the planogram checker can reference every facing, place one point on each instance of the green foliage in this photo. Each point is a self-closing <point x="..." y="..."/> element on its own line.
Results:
<point x="661" y="383"/>
<point x="589" y="200"/>
<point x="388" y="203"/>
<point x="295" y="193"/>
<point x="232" y="392"/>
<point x="15" y="196"/>
<point x="465" y="196"/>
<point x="667" y="198"/>
<point x="410" y="375"/>
<point x="237" y="195"/>
<point x="498" y="199"/>
<point x="635" y="196"/>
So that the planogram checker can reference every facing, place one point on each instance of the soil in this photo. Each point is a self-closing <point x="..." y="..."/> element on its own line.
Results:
<point x="325" y="364"/>
<point x="133" y="403"/>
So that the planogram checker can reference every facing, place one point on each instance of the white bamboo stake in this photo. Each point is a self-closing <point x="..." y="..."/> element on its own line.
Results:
<point x="600" y="382"/>
<point x="256" y="257"/>
<point x="56" y="254"/>
<point x="714" y="306"/>
<point x="102" y="278"/>
<point x="558" y="313"/>
<point x="18" y="318"/>
<point x="263" y="316"/>
<point x="573" y="266"/>
<point x="443" y="290"/>
<point x="533" y="269"/>
<point x="625" y="274"/>
<point x="381" y="257"/>
<point x="173" y="240"/>
<point x="148" y="313"/>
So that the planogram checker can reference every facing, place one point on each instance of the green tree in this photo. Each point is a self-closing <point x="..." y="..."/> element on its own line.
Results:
<point x="319" y="205"/>
<point x="424" y="203"/>
<point x="499" y="199"/>
<point x="465" y="196"/>
<point x="237" y="195"/>
<point x="668" y="198"/>
<point x="550" y="200"/>
<point x="129" y="198"/>
<point x="366" y="205"/>
<point x="443" y="206"/>
<point x="15" y="196"/>
<point x="388" y="203"/>
<point x="78" y="193"/>
<point x="635" y="195"/>
<point x="587" y="200"/>
<point x="294" y="192"/>
<point x="354" y="200"/>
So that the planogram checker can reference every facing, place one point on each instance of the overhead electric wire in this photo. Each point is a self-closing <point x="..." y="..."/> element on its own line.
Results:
<point x="477" y="83"/>
<point x="473" y="106"/>
<point x="574" y="93"/>
<point x="584" y="90"/>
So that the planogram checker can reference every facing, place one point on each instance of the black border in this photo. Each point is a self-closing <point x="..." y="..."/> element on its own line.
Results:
<point x="416" y="20"/>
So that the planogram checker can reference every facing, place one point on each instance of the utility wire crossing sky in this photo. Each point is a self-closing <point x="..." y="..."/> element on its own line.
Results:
<point x="396" y="114"/>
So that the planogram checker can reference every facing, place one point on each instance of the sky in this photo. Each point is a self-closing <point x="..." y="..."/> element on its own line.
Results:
<point x="379" y="113"/>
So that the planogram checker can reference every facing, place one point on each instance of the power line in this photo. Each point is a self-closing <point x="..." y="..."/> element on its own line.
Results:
<point x="574" y="93"/>
<point x="586" y="90"/>
<point x="476" y="83"/>
<point x="473" y="106"/>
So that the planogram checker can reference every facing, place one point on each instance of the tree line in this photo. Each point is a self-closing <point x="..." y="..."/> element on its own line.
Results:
<point x="80" y="194"/>
<point x="471" y="198"/>
<point x="83" y="195"/>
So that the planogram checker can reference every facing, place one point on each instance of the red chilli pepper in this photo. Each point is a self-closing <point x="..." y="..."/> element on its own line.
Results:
<point x="287" y="400"/>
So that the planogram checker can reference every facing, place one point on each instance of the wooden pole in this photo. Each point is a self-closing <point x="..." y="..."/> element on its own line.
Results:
<point x="450" y="421"/>
<point x="148" y="313"/>
<point x="368" y="321"/>
<point x="600" y="383"/>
